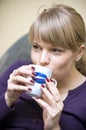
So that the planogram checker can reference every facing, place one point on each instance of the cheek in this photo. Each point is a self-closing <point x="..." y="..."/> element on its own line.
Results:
<point x="62" y="66"/>
<point x="34" y="57"/>
<point x="64" y="63"/>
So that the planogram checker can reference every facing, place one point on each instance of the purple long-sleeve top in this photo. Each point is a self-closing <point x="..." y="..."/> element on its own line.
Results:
<point x="26" y="114"/>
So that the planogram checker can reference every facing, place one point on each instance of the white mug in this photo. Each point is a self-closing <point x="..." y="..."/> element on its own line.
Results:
<point x="41" y="74"/>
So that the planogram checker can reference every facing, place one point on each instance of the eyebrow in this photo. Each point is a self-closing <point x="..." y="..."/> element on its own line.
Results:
<point x="50" y="45"/>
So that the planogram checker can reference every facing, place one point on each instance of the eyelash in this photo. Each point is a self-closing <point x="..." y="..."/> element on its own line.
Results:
<point x="54" y="50"/>
<point x="35" y="46"/>
<point x="57" y="50"/>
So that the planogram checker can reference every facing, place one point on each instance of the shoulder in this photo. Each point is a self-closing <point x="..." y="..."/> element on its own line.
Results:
<point x="76" y="102"/>
<point x="13" y="66"/>
<point x="18" y="64"/>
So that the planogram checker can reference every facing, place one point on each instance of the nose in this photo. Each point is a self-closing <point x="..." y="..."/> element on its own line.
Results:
<point x="44" y="58"/>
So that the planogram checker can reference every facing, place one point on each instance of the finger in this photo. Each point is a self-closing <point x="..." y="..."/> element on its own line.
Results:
<point x="48" y="96"/>
<point x="24" y="71"/>
<point x="42" y="103"/>
<point x="15" y="87"/>
<point x="52" y="111"/>
<point x="21" y="79"/>
<point x="52" y="86"/>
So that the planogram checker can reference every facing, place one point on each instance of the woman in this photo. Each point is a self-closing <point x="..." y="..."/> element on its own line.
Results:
<point x="58" y="42"/>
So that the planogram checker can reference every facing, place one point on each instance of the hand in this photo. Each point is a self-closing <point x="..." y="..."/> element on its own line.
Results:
<point x="19" y="82"/>
<point x="51" y="104"/>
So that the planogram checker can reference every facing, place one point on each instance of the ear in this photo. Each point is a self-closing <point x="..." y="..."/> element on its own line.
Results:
<point x="79" y="53"/>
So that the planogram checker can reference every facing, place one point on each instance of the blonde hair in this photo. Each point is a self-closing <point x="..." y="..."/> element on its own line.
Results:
<point x="63" y="26"/>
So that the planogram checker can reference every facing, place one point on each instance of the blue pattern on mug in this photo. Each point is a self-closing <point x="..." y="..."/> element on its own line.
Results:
<point x="40" y="78"/>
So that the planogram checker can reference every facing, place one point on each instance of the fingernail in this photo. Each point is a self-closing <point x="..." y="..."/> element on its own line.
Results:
<point x="29" y="89"/>
<point x="33" y="73"/>
<point x="31" y="81"/>
<point x="42" y="86"/>
<point x="33" y="68"/>
<point x="37" y="97"/>
<point x="51" y="80"/>
<point x="47" y="79"/>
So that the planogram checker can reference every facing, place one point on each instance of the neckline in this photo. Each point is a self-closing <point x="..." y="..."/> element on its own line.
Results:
<point x="77" y="88"/>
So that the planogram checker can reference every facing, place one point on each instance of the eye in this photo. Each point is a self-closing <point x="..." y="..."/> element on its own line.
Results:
<point x="56" y="50"/>
<point x="35" y="46"/>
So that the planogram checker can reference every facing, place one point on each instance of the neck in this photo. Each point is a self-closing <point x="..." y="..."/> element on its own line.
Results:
<point x="73" y="80"/>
